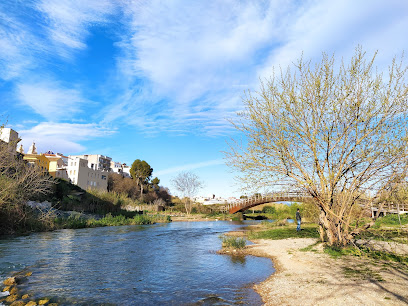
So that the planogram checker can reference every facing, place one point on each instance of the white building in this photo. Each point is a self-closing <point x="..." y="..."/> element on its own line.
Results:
<point x="120" y="168"/>
<point x="85" y="177"/>
<point x="9" y="136"/>
<point x="96" y="161"/>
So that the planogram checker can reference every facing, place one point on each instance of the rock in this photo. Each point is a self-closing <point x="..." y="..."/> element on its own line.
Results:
<point x="13" y="290"/>
<point x="28" y="273"/>
<point x="20" y="279"/>
<point x="7" y="288"/>
<point x="11" y="298"/>
<point x="10" y="281"/>
<point x="43" y="301"/>
<point x="31" y="303"/>
<point x="53" y="304"/>
<point x="18" y="303"/>
<point x="25" y="296"/>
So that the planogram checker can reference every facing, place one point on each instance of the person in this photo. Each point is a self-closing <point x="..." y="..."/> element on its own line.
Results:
<point x="298" y="219"/>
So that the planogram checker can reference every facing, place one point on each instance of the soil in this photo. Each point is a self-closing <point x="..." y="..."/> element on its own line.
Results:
<point x="313" y="277"/>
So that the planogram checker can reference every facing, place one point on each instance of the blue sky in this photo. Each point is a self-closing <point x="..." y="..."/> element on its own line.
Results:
<point x="157" y="80"/>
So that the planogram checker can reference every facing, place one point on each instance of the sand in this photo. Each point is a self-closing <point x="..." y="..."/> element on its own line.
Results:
<point x="315" y="278"/>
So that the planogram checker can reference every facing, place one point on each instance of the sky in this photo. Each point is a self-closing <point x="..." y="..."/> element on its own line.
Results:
<point x="161" y="80"/>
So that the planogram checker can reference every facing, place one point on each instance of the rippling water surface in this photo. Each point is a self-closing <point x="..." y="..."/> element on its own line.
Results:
<point x="163" y="264"/>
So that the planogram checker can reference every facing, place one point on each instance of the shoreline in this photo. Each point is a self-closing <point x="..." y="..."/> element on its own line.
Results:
<point x="314" y="278"/>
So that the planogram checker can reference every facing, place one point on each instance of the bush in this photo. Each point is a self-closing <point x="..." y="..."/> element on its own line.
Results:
<point x="233" y="242"/>
<point x="269" y="210"/>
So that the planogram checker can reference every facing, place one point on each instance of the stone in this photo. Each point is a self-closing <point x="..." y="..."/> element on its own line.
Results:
<point x="25" y="296"/>
<point x="7" y="288"/>
<point x="28" y="273"/>
<point x="53" y="304"/>
<point x="20" y="279"/>
<point x="43" y="301"/>
<point x="13" y="290"/>
<point x="11" y="298"/>
<point x="18" y="303"/>
<point x="31" y="303"/>
<point x="10" y="281"/>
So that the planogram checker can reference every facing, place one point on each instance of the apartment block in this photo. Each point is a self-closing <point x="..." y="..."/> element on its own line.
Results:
<point x="97" y="161"/>
<point x="85" y="177"/>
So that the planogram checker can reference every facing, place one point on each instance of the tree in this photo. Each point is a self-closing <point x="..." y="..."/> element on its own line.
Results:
<point x="336" y="133"/>
<point x="188" y="184"/>
<point x="141" y="172"/>
<point x="19" y="183"/>
<point x="155" y="183"/>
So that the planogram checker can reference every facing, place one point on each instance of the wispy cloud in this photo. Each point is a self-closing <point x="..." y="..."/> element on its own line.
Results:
<point x="50" y="99"/>
<point x="189" y="167"/>
<point x="67" y="23"/>
<point x="62" y="137"/>
<point x="182" y="68"/>
<point x="333" y="27"/>
<point x="183" y="65"/>
<point x="193" y="61"/>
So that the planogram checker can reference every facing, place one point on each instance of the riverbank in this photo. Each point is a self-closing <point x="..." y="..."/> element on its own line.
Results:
<point x="306" y="275"/>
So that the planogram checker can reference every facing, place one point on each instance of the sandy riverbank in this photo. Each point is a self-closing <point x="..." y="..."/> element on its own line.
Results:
<point x="315" y="278"/>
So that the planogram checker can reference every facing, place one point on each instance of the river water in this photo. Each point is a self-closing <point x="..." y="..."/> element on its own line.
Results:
<point x="162" y="264"/>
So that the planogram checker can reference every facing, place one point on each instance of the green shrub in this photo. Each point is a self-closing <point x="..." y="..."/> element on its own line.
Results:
<point x="233" y="242"/>
<point x="269" y="210"/>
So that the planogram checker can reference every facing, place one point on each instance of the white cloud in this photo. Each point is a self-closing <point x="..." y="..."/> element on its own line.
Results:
<point x="189" y="167"/>
<point x="186" y="64"/>
<point x="50" y="99"/>
<point x="18" y="46"/>
<point x="338" y="27"/>
<point x="67" y="22"/>
<point x="62" y="137"/>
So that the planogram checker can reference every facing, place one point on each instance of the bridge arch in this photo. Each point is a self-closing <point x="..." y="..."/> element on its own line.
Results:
<point x="244" y="204"/>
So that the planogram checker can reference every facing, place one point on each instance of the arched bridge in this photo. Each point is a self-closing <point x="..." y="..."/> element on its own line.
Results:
<point x="244" y="204"/>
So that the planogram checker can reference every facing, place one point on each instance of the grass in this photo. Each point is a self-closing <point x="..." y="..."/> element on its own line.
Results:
<point x="337" y="252"/>
<point x="283" y="232"/>
<point x="362" y="272"/>
<point x="391" y="220"/>
<point x="109" y="220"/>
<point x="233" y="242"/>
<point x="310" y="248"/>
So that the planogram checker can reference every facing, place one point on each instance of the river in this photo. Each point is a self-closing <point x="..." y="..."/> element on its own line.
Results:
<point x="162" y="264"/>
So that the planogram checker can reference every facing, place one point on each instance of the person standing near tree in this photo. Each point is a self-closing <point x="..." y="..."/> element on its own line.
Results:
<point x="298" y="219"/>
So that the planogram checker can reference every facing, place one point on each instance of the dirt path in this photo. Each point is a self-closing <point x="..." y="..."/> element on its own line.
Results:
<point x="314" y="278"/>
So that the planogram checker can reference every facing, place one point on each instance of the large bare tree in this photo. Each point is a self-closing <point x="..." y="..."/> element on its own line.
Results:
<point x="188" y="184"/>
<point x="336" y="131"/>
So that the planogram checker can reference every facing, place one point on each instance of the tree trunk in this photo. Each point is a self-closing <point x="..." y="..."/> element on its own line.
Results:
<point x="187" y="205"/>
<point x="332" y="228"/>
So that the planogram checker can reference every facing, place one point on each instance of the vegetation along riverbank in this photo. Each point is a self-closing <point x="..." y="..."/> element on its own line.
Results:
<point x="373" y="271"/>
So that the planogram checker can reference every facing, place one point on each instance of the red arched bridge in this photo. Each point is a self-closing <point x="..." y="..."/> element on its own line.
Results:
<point x="244" y="204"/>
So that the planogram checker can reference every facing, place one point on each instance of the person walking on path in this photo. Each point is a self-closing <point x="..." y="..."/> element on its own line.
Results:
<point x="298" y="219"/>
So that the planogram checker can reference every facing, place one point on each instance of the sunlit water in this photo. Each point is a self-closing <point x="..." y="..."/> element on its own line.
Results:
<point x="163" y="264"/>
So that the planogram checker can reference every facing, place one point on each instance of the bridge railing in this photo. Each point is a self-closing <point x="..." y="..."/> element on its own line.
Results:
<point x="260" y="199"/>
<point x="392" y="207"/>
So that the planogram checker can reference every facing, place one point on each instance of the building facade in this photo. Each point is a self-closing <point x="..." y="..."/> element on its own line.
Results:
<point x="85" y="177"/>
<point x="97" y="161"/>
<point x="10" y="137"/>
